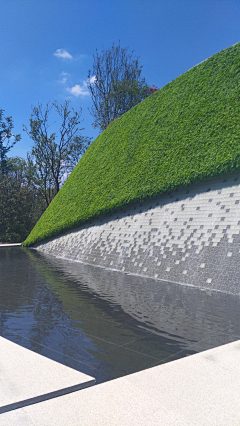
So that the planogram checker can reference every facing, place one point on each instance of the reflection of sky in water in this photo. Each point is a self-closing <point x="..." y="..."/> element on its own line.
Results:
<point x="104" y="323"/>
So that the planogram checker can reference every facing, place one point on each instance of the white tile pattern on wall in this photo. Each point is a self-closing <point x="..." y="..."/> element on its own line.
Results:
<point x="190" y="236"/>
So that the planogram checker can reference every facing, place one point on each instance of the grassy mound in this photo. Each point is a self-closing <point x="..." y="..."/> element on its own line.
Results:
<point x="186" y="132"/>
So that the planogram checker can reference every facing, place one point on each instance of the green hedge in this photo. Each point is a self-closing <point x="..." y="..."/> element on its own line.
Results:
<point x="186" y="132"/>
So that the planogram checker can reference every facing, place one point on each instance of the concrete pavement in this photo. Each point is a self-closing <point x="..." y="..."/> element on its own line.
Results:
<point x="200" y="390"/>
<point x="27" y="377"/>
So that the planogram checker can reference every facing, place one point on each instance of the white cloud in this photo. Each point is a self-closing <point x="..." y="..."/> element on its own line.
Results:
<point x="64" y="77"/>
<point x="92" y="79"/>
<point x="78" y="90"/>
<point x="61" y="53"/>
<point x="64" y="177"/>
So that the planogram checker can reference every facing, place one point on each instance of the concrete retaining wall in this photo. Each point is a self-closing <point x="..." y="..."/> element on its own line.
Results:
<point x="190" y="236"/>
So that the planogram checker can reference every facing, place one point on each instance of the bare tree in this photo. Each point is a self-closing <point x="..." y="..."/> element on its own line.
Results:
<point x="115" y="85"/>
<point x="52" y="159"/>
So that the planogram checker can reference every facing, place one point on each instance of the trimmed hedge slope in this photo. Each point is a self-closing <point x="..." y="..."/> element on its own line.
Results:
<point x="186" y="132"/>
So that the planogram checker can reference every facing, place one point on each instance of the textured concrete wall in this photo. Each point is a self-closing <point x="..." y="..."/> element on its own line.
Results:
<point x="190" y="236"/>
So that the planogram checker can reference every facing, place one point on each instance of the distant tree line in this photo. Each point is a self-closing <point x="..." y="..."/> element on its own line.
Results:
<point x="27" y="186"/>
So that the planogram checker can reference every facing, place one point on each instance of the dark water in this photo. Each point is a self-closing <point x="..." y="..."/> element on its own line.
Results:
<point x="104" y="323"/>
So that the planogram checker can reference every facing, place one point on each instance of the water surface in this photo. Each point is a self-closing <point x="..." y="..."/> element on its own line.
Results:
<point x="104" y="323"/>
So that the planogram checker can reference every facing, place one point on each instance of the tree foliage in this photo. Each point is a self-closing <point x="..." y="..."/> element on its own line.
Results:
<point x="50" y="159"/>
<point x="20" y="206"/>
<point x="24" y="172"/>
<point x="7" y="141"/>
<point x="115" y="85"/>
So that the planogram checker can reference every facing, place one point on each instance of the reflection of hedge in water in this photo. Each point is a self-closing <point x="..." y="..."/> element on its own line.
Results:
<point x="185" y="132"/>
<point x="15" y="272"/>
<point x="175" y="312"/>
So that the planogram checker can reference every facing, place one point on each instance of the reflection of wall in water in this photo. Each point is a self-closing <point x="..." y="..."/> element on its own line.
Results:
<point x="187" y="313"/>
<point x="189" y="236"/>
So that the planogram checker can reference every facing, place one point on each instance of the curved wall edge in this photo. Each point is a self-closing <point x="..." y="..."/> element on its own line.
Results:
<point x="190" y="236"/>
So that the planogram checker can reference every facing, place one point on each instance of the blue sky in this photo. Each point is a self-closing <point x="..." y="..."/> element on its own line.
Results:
<point x="47" y="46"/>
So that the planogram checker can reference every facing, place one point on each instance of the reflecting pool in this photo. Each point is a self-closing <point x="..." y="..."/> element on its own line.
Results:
<point x="105" y="323"/>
